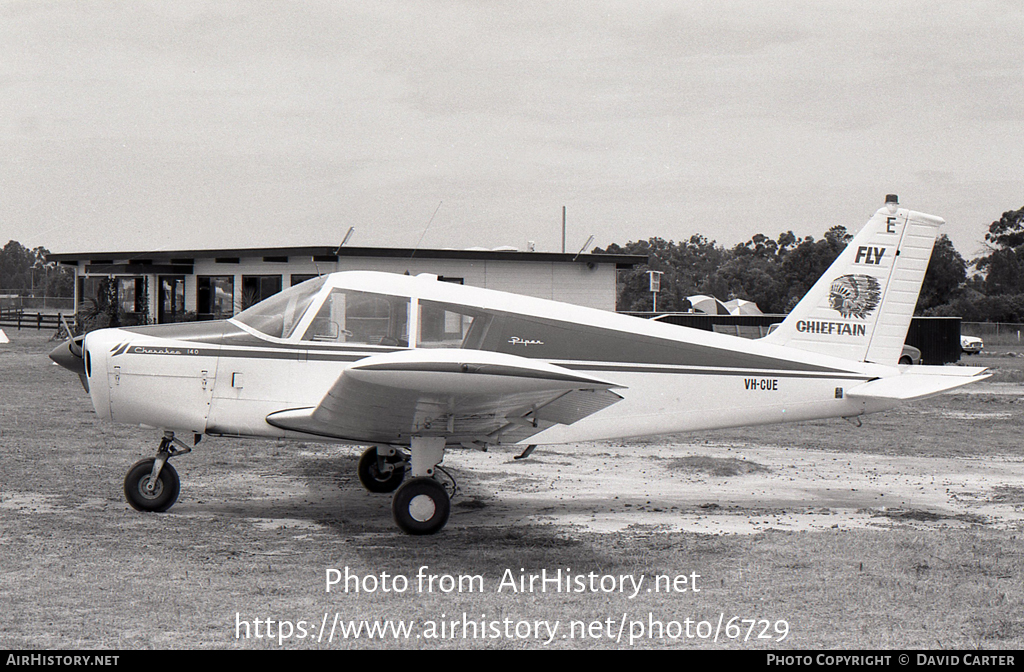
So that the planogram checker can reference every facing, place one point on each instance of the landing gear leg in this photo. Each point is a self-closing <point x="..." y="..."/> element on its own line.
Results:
<point x="153" y="484"/>
<point x="421" y="505"/>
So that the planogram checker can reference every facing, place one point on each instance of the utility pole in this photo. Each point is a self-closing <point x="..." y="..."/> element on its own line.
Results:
<point x="563" y="229"/>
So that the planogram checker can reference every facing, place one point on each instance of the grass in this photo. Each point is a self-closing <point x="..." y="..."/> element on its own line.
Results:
<point x="260" y="522"/>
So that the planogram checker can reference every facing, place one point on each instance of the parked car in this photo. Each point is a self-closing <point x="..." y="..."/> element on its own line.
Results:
<point x="972" y="345"/>
<point x="910" y="355"/>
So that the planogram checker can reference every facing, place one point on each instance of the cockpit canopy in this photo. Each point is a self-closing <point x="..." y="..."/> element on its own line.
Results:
<point x="279" y="315"/>
<point x="312" y="312"/>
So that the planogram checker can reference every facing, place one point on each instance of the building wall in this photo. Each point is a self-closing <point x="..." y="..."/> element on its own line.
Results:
<point x="586" y="284"/>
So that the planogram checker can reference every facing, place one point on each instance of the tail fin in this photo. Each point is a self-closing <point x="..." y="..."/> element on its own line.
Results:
<point x="861" y="307"/>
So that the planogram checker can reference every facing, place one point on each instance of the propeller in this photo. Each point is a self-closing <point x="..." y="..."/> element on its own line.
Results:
<point x="70" y="355"/>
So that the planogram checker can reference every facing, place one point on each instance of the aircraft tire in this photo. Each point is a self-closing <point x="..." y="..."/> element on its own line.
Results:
<point x="421" y="506"/>
<point x="372" y="479"/>
<point x="162" y="498"/>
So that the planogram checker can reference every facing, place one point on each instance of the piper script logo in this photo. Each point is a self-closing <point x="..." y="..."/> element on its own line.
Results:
<point x="515" y="340"/>
<point x="855" y="295"/>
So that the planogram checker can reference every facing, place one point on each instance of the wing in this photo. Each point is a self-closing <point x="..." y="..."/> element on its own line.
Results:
<point x="470" y="397"/>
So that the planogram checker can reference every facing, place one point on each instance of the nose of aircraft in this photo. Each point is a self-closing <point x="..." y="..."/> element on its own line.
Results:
<point x="71" y="355"/>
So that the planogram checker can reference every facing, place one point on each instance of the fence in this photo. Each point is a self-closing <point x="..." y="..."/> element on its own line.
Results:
<point x="11" y="300"/>
<point x="21" y="319"/>
<point x="994" y="333"/>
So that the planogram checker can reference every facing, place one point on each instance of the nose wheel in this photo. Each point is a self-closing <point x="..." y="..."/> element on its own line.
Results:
<point x="153" y="484"/>
<point x="146" y="494"/>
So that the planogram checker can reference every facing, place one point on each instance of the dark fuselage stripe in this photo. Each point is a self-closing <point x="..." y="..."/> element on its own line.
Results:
<point x="352" y="356"/>
<point x="708" y="371"/>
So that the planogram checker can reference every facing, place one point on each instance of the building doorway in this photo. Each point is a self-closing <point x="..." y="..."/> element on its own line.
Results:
<point x="171" y="304"/>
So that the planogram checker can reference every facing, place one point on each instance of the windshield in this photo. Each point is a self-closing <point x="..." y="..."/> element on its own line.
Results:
<point x="278" y="315"/>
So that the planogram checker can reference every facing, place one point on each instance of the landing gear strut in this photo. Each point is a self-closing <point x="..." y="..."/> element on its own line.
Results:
<point x="153" y="484"/>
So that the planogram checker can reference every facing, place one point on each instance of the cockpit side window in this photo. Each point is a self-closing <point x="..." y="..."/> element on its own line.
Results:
<point x="279" y="315"/>
<point x="349" y="316"/>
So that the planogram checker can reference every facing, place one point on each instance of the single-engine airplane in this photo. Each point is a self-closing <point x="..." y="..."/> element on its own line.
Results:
<point x="413" y="367"/>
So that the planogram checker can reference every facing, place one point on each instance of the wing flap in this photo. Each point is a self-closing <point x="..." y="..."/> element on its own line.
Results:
<point x="565" y="409"/>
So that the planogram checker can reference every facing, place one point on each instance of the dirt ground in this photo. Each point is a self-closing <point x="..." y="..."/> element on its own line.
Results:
<point x="676" y="487"/>
<point x="949" y="465"/>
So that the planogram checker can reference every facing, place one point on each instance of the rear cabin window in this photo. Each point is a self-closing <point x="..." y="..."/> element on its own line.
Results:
<point x="451" y="326"/>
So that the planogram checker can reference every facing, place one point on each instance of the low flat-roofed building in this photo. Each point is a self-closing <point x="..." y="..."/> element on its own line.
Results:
<point x="212" y="284"/>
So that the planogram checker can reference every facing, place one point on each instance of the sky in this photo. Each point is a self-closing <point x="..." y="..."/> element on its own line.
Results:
<point x="168" y="125"/>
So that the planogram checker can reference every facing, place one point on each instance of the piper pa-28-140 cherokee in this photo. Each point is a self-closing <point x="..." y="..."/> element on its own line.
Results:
<point x="413" y="367"/>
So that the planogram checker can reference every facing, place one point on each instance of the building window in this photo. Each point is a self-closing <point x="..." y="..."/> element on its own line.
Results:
<point x="298" y="278"/>
<point x="105" y="301"/>
<point x="133" y="300"/>
<point x="92" y="296"/>
<point x="255" y="288"/>
<point x="215" y="296"/>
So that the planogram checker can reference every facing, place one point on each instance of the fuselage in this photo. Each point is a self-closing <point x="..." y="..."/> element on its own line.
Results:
<point x="226" y="377"/>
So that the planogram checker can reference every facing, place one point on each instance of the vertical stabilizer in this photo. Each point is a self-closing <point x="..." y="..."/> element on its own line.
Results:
<point x="861" y="307"/>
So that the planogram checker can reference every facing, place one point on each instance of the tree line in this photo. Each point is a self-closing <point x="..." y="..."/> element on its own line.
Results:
<point x="27" y="272"/>
<point x="776" y="273"/>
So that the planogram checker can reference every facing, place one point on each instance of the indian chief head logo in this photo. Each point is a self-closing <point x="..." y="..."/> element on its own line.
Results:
<point x="854" y="295"/>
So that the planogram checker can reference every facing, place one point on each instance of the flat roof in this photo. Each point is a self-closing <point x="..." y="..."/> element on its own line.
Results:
<point x="186" y="256"/>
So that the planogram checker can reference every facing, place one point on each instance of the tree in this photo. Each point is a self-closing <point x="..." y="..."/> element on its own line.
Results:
<point x="24" y="269"/>
<point x="15" y="264"/>
<point x="686" y="270"/>
<point x="1003" y="267"/>
<point x="1008" y="231"/>
<point x="775" y="274"/>
<point x="805" y="263"/>
<point x="944" y="279"/>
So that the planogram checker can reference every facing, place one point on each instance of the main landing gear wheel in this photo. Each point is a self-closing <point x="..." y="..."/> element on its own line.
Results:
<point x="161" y="497"/>
<point x="377" y="479"/>
<point x="421" y="506"/>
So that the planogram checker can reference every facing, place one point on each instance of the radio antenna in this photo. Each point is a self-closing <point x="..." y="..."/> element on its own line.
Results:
<point x="345" y="240"/>
<point x="425" y="228"/>
<point x="585" y="246"/>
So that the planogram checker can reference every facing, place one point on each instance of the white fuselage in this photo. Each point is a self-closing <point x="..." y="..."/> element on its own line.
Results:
<point x="225" y="378"/>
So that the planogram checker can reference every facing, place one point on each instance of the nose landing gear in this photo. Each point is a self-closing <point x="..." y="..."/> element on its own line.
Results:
<point x="152" y="484"/>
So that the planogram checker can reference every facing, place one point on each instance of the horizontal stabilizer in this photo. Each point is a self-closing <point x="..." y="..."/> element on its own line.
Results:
<point x="919" y="382"/>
